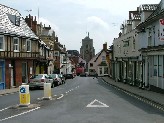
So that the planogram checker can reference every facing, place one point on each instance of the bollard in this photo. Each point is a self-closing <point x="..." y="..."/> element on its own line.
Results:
<point x="24" y="95"/>
<point x="47" y="90"/>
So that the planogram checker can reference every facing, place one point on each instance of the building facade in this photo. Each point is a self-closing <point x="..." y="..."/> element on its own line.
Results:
<point x="19" y="48"/>
<point x="138" y="51"/>
<point x="99" y="63"/>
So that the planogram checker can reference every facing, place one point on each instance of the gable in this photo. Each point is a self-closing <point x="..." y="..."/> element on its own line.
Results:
<point x="13" y="23"/>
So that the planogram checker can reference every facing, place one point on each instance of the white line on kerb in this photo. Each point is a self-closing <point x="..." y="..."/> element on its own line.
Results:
<point x="20" y="114"/>
<point x="4" y="109"/>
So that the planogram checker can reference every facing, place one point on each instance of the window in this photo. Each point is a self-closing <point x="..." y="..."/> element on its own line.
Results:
<point x="126" y="44"/>
<point x="134" y="43"/>
<point x="103" y="58"/>
<point x="149" y="38"/>
<point x="155" y="65"/>
<point x="56" y="53"/>
<point x="28" y="45"/>
<point x="160" y="70"/>
<point x="16" y="44"/>
<point x="91" y="64"/>
<point x="130" y="69"/>
<point x="41" y="51"/>
<point x="105" y="70"/>
<point x="2" y="43"/>
<point x="17" y="20"/>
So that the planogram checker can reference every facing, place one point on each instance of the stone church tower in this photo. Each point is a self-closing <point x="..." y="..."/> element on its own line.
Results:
<point x="87" y="50"/>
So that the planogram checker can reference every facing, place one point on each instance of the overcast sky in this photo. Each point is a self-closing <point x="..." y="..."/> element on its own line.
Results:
<point x="71" y="19"/>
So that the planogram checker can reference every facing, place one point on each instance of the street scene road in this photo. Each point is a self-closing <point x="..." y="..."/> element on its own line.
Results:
<point x="80" y="100"/>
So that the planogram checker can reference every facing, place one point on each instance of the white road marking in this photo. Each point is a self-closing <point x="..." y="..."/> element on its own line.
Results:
<point x="20" y="114"/>
<point x="62" y="95"/>
<point x="100" y="104"/>
<point x="4" y="109"/>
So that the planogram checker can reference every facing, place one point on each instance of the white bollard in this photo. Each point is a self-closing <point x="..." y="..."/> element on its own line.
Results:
<point x="24" y="95"/>
<point x="47" y="91"/>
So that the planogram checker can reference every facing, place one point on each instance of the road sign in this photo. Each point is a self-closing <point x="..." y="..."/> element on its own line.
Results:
<point x="22" y="90"/>
<point x="97" y="103"/>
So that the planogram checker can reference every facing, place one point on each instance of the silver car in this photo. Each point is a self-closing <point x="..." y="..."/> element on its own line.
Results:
<point x="38" y="80"/>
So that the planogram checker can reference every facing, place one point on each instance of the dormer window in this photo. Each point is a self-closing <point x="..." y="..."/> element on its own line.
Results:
<point x="17" y="20"/>
<point x="14" y="19"/>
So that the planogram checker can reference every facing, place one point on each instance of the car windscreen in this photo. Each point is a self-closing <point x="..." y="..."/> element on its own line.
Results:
<point x="36" y="76"/>
<point x="60" y="75"/>
<point x="53" y="75"/>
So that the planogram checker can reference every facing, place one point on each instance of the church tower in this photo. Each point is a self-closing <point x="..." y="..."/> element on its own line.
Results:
<point x="87" y="50"/>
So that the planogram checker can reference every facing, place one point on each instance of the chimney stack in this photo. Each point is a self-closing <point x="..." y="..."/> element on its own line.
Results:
<point x="105" y="46"/>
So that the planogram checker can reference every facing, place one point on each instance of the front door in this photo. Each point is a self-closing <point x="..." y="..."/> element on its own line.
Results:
<point x="2" y="75"/>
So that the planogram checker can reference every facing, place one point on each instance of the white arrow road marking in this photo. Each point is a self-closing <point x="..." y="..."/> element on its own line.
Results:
<point x="100" y="104"/>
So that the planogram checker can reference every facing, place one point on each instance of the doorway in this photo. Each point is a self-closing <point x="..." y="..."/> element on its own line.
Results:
<point x="24" y="73"/>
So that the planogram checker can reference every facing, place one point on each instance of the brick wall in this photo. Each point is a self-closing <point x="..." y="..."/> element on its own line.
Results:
<point x="18" y="72"/>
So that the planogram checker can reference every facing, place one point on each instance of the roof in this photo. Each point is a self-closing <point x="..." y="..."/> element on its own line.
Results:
<point x="11" y="22"/>
<point x="94" y="58"/>
<point x="157" y="12"/>
<point x="97" y="56"/>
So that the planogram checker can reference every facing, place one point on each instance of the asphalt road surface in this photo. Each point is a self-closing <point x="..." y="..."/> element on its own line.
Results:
<point x="80" y="100"/>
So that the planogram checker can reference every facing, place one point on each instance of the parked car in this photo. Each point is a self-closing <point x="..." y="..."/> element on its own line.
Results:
<point x="56" y="78"/>
<point x="83" y="75"/>
<point x="62" y="77"/>
<point x="69" y="76"/>
<point x="38" y="80"/>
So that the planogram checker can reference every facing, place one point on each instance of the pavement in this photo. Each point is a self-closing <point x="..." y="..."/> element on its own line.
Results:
<point x="9" y="91"/>
<point x="151" y="97"/>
